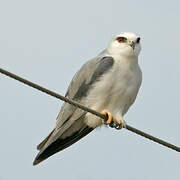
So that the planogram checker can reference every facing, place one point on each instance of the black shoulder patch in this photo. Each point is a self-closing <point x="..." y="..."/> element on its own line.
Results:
<point x="104" y="65"/>
<point x="82" y="91"/>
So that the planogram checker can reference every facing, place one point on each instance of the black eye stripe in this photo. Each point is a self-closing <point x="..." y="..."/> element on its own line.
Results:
<point x="138" y="40"/>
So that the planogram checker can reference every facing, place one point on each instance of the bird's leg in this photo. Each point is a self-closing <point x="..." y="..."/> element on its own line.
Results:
<point x="109" y="117"/>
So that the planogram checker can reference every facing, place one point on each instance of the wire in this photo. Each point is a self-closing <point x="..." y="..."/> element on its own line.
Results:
<point x="58" y="96"/>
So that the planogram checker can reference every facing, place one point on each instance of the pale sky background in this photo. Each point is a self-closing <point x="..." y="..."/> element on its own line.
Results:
<point x="47" y="42"/>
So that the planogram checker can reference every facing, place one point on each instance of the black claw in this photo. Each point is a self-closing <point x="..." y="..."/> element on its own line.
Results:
<point x="118" y="126"/>
<point x="115" y="125"/>
<point x="112" y="124"/>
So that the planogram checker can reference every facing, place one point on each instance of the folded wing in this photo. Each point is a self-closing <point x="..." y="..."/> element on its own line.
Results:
<point x="70" y="125"/>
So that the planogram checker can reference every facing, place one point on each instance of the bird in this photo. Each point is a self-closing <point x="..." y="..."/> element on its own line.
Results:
<point x="108" y="83"/>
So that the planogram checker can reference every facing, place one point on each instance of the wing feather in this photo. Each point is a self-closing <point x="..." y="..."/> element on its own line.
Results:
<point x="70" y="126"/>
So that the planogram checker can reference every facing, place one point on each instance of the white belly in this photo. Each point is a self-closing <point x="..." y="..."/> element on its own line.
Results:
<point x="115" y="92"/>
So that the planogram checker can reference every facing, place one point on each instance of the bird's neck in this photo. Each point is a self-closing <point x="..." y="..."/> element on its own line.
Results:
<point x="126" y="59"/>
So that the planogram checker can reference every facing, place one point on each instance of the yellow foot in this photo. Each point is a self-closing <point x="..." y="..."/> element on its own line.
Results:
<point x="109" y="117"/>
<point x="121" y="123"/>
<point x="112" y="122"/>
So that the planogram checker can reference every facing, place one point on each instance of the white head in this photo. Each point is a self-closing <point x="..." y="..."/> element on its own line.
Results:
<point x="127" y="44"/>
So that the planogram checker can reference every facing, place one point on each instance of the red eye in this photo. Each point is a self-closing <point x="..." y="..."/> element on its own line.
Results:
<point x="121" y="39"/>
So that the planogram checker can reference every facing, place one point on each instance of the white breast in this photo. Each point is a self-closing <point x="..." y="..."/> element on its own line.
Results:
<point x="115" y="91"/>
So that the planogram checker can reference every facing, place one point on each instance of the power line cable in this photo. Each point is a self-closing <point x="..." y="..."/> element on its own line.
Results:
<point x="74" y="103"/>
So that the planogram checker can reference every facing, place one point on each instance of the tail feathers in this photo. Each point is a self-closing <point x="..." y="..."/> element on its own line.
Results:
<point x="60" y="144"/>
<point x="41" y="145"/>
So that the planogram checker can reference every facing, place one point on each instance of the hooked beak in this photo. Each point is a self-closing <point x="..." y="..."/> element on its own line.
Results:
<point x="132" y="44"/>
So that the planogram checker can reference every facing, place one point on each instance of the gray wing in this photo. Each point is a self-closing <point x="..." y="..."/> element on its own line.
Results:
<point x="70" y="126"/>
